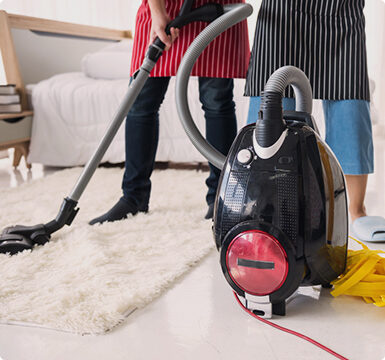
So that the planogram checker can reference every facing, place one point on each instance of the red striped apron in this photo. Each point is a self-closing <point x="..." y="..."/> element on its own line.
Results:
<point x="226" y="57"/>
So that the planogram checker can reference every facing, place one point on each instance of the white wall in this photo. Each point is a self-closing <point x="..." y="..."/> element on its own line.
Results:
<point x="375" y="42"/>
<point x="116" y="14"/>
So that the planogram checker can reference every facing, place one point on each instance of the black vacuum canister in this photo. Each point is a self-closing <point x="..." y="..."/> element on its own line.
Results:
<point x="280" y="214"/>
<point x="280" y="218"/>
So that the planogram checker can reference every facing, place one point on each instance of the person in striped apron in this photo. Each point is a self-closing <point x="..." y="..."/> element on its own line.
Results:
<point x="225" y="58"/>
<point x="326" y="39"/>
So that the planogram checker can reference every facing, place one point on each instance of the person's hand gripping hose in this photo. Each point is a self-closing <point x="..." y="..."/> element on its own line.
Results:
<point x="160" y="20"/>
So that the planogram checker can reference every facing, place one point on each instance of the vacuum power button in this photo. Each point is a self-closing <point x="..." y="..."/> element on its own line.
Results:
<point x="244" y="156"/>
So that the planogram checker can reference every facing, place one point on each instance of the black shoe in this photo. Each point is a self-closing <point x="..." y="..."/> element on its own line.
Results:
<point x="119" y="211"/>
<point x="210" y="212"/>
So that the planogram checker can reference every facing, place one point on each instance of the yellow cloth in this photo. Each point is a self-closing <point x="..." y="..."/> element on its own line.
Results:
<point x="364" y="276"/>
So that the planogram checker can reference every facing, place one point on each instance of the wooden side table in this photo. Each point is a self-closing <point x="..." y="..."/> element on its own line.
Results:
<point x="15" y="132"/>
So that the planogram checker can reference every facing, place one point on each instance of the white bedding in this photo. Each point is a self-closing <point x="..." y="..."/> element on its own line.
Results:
<point x="72" y="112"/>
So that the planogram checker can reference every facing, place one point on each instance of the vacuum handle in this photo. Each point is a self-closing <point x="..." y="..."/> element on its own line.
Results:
<point x="206" y="13"/>
<point x="186" y="7"/>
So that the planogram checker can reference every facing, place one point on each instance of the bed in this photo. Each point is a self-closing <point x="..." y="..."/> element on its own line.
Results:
<point x="34" y="49"/>
<point x="78" y="74"/>
<point x="72" y="111"/>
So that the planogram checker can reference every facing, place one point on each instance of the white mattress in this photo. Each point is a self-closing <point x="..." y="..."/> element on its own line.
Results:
<point x="72" y="112"/>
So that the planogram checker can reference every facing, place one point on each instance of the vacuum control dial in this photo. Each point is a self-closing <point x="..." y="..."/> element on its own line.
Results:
<point x="244" y="156"/>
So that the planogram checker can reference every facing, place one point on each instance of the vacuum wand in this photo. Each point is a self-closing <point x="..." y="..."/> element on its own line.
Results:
<point x="206" y="13"/>
<point x="135" y="88"/>
<point x="18" y="238"/>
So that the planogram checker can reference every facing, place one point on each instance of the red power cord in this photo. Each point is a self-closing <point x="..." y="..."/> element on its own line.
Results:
<point x="338" y="356"/>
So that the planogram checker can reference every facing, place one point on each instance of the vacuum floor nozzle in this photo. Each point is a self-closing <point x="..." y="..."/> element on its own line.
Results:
<point x="19" y="238"/>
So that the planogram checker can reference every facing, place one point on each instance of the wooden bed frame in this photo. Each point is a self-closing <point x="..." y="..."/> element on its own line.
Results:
<point x="11" y="63"/>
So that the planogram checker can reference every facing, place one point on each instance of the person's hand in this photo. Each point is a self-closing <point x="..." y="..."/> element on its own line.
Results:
<point x="159" y="23"/>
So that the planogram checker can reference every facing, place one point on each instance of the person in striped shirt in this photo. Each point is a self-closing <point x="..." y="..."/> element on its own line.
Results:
<point x="325" y="39"/>
<point x="224" y="59"/>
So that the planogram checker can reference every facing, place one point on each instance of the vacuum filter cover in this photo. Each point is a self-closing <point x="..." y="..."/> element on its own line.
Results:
<point x="257" y="262"/>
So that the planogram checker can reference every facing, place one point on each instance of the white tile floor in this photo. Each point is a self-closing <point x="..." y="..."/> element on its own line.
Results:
<point x="199" y="319"/>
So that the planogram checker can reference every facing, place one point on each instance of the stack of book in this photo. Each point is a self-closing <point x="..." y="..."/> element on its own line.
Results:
<point x="9" y="99"/>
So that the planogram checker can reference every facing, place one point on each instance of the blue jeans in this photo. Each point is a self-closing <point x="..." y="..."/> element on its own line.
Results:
<point x="142" y="133"/>
<point x="348" y="131"/>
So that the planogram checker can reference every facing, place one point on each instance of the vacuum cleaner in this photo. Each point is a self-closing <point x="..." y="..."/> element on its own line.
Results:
<point x="18" y="238"/>
<point x="280" y="215"/>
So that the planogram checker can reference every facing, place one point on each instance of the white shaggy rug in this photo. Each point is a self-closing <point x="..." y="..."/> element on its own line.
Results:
<point x="88" y="278"/>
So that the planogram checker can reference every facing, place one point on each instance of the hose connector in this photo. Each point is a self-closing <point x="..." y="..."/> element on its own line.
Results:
<point x="270" y="128"/>
<point x="270" y="124"/>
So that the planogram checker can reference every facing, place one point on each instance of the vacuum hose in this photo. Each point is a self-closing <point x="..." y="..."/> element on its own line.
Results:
<point x="269" y="130"/>
<point x="291" y="75"/>
<point x="233" y="14"/>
